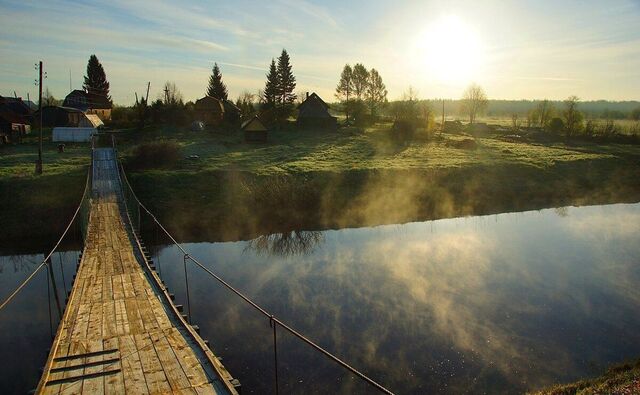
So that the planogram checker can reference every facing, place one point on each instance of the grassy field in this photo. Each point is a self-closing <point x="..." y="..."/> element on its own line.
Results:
<point x="229" y="189"/>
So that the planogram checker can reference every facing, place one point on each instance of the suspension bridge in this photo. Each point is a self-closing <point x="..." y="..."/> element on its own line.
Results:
<point x="121" y="331"/>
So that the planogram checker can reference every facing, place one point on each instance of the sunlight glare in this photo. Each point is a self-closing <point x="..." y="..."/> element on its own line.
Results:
<point x="450" y="51"/>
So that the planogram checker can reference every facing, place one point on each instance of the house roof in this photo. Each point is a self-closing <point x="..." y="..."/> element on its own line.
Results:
<point x="87" y="101"/>
<point x="16" y="105"/>
<point x="209" y="101"/>
<point x="313" y="107"/>
<point x="250" y="121"/>
<point x="313" y="98"/>
<point x="94" y="119"/>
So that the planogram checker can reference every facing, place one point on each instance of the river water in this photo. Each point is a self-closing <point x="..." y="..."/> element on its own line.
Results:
<point x="498" y="304"/>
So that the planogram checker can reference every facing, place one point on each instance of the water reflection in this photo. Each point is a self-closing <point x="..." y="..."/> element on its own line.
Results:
<point x="296" y="242"/>
<point x="504" y="303"/>
<point x="496" y="304"/>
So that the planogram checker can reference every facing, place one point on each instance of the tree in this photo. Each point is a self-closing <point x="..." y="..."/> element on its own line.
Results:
<point x="545" y="112"/>
<point x="474" y="102"/>
<point x="345" y="88"/>
<point x="96" y="80"/>
<point x="270" y="93"/>
<point x="216" y="87"/>
<point x="286" y="86"/>
<point x="376" y="91"/>
<point x="572" y="117"/>
<point x="360" y="78"/>
<point x="172" y="95"/>
<point x="245" y="104"/>
<point x="515" y="123"/>
<point x="635" y="114"/>
<point x="48" y="99"/>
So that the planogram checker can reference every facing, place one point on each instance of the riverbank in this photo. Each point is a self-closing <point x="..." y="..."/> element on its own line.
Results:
<point x="221" y="188"/>
<point x="620" y="379"/>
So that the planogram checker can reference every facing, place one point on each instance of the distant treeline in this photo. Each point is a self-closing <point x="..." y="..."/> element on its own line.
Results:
<point x="506" y="108"/>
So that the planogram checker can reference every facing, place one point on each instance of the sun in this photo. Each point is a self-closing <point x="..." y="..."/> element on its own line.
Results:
<point x="449" y="50"/>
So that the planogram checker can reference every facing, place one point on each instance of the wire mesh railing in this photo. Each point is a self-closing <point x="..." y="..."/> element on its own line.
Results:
<point x="136" y="209"/>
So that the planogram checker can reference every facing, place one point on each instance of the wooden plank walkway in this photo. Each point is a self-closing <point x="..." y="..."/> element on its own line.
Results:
<point x="120" y="333"/>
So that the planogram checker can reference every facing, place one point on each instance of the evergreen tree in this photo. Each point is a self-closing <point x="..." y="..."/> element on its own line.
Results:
<point x="216" y="87"/>
<point x="96" y="80"/>
<point x="286" y="86"/>
<point x="270" y="94"/>
<point x="345" y="88"/>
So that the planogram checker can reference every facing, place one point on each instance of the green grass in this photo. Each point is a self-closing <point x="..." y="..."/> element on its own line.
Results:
<point x="317" y="179"/>
<point x="620" y="379"/>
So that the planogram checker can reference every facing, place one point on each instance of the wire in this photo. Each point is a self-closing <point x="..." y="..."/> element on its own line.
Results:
<point x="44" y="261"/>
<point x="271" y="317"/>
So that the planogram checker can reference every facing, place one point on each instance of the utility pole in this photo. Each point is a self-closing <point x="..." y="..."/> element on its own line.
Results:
<point x="146" y="99"/>
<point x="39" y="161"/>
<point x="70" y="89"/>
<point x="136" y="98"/>
<point x="166" y="95"/>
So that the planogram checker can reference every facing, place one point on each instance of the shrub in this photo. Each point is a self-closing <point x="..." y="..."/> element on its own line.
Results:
<point x="159" y="154"/>
<point x="556" y="125"/>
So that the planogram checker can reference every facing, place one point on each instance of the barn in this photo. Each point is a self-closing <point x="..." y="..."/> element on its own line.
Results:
<point x="209" y="110"/>
<point x="12" y="126"/>
<point x="313" y="113"/>
<point x="90" y="103"/>
<point x="254" y="130"/>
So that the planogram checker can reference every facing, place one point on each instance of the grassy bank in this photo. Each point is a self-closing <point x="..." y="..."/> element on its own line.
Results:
<point x="36" y="208"/>
<point x="620" y="379"/>
<point x="221" y="188"/>
<point x="315" y="180"/>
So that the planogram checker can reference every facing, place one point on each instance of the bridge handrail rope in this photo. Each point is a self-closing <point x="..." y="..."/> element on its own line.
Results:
<point x="45" y="261"/>
<point x="272" y="319"/>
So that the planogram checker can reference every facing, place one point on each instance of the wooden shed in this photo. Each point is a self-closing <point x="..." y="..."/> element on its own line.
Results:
<point x="254" y="130"/>
<point x="313" y="113"/>
<point x="56" y="116"/>
<point x="12" y="126"/>
<point x="209" y="110"/>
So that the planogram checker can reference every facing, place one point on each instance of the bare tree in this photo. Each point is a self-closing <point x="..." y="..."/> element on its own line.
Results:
<point x="48" y="99"/>
<point x="344" y="90"/>
<point x="376" y="92"/>
<point x="545" y="112"/>
<point x="360" y="78"/>
<point x="171" y="94"/>
<point x="515" y="122"/>
<point x="474" y="102"/>
<point x="572" y="116"/>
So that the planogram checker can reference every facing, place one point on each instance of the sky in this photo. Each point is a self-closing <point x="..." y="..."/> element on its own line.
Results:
<point x="514" y="50"/>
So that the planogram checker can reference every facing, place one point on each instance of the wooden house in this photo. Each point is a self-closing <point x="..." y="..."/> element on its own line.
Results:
<point x="313" y="113"/>
<point x="254" y="130"/>
<point x="231" y="113"/>
<point x="56" y="116"/>
<point x="12" y="126"/>
<point x="209" y="110"/>
<point x="89" y="103"/>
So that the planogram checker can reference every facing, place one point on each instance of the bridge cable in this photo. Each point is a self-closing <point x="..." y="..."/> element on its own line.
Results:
<point x="271" y="318"/>
<point x="55" y="247"/>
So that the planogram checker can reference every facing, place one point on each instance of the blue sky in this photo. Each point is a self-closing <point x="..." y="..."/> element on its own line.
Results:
<point x="528" y="49"/>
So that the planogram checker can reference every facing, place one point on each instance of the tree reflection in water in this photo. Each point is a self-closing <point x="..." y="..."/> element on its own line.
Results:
<point x="295" y="242"/>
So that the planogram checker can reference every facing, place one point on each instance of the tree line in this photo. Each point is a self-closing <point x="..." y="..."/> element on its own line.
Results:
<point x="361" y="92"/>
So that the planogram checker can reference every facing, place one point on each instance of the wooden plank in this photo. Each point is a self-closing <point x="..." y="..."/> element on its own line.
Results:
<point x="134" y="381"/>
<point x="113" y="384"/>
<point x="157" y="381"/>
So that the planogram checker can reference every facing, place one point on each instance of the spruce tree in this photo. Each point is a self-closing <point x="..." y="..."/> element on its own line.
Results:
<point x="96" y="80"/>
<point x="216" y="87"/>
<point x="286" y="86"/>
<point x="270" y="94"/>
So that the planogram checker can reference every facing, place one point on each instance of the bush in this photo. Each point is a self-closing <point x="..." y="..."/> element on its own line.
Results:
<point x="403" y="131"/>
<point x="161" y="154"/>
<point x="556" y="125"/>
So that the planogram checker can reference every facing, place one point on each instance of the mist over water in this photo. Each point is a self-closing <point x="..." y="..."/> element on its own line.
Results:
<point x="499" y="304"/>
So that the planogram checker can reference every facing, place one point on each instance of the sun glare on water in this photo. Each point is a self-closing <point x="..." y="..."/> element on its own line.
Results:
<point x="449" y="51"/>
